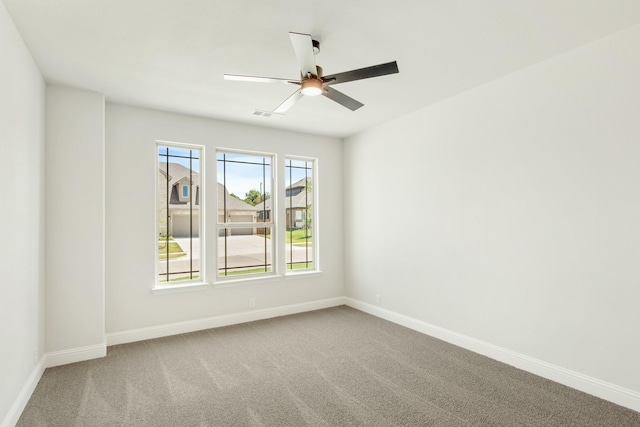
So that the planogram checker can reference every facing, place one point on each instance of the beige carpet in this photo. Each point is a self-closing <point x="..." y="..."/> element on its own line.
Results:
<point x="334" y="367"/>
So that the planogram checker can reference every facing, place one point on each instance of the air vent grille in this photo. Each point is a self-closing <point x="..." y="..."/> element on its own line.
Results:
<point x="266" y="114"/>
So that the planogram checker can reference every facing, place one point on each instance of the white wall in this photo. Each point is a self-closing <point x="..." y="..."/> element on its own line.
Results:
<point x="22" y="92"/>
<point x="525" y="204"/>
<point x="75" y="219"/>
<point x="130" y="229"/>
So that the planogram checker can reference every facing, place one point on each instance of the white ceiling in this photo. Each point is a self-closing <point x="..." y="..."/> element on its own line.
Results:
<point x="171" y="54"/>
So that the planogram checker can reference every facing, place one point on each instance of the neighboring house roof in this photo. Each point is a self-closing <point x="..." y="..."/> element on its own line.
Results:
<point x="297" y="187"/>
<point x="264" y="205"/>
<point x="178" y="173"/>
<point x="299" y="200"/>
<point x="163" y="172"/>
<point x="302" y="183"/>
<point x="232" y="203"/>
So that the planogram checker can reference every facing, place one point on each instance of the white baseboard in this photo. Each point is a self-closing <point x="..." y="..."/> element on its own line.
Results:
<point x="11" y="419"/>
<point x="611" y="392"/>
<point x="152" y="332"/>
<point x="74" y="355"/>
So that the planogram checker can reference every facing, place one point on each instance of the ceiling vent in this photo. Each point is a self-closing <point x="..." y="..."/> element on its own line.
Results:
<point x="266" y="114"/>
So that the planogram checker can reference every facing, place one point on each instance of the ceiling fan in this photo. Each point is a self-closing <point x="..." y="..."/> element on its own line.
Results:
<point x="312" y="82"/>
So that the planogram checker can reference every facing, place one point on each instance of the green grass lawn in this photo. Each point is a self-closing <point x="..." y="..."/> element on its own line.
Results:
<point x="298" y="236"/>
<point x="179" y="278"/>
<point x="247" y="271"/>
<point x="174" y="250"/>
<point x="301" y="266"/>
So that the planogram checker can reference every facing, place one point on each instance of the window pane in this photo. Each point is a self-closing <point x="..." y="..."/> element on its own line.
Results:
<point x="244" y="197"/>
<point x="244" y="187"/>
<point x="244" y="250"/>
<point x="299" y="214"/>
<point x="179" y="219"/>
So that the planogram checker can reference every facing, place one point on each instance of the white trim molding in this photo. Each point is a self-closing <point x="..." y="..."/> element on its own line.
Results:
<point x="73" y="355"/>
<point x="602" y="389"/>
<point x="159" y="331"/>
<point x="12" y="417"/>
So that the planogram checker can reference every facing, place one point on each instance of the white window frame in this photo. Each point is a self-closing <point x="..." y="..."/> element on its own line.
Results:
<point x="221" y="281"/>
<point x="315" y="222"/>
<point x="200" y="281"/>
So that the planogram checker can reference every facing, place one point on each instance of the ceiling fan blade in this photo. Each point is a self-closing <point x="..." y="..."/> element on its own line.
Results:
<point x="259" y="79"/>
<point x="303" y="47"/>
<point x="362" y="73"/>
<point x="342" y="99"/>
<point x="289" y="102"/>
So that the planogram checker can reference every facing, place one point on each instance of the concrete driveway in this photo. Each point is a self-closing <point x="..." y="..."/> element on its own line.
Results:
<point x="241" y="251"/>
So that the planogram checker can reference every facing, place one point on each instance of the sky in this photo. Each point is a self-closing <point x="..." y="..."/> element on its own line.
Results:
<point x="244" y="172"/>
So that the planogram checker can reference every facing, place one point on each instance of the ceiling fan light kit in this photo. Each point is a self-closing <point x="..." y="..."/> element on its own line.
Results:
<point x="311" y="87"/>
<point x="312" y="82"/>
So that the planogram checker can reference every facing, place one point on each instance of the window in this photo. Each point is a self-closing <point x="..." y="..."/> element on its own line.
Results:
<point x="179" y="214"/>
<point x="300" y="230"/>
<point x="244" y="224"/>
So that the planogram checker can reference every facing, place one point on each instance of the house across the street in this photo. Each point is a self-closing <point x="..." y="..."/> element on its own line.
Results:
<point x="181" y="187"/>
<point x="298" y="199"/>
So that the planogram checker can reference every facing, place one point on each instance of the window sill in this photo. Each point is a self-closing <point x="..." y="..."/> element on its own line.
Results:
<point x="303" y="275"/>
<point x="189" y="287"/>
<point x="201" y="286"/>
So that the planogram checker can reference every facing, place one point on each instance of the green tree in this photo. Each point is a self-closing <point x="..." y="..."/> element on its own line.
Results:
<point x="308" y="222"/>
<point x="253" y="197"/>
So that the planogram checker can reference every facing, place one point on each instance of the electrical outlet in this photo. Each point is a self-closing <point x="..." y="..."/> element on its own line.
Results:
<point x="378" y="299"/>
<point x="252" y="302"/>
